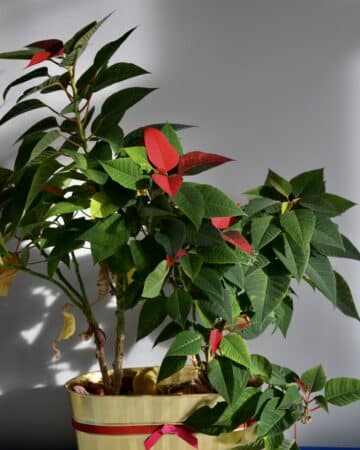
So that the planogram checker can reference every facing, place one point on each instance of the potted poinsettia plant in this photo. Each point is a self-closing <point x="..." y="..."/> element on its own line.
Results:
<point x="210" y="273"/>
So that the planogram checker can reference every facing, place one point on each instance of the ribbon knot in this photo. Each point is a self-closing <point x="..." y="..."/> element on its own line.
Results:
<point x="180" y="430"/>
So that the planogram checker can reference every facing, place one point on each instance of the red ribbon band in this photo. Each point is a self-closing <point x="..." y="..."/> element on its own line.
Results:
<point x="155" y="432"/>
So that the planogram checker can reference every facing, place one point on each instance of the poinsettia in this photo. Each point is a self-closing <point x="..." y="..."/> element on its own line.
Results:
<point x="233" y="237"/>
<point x="215" y="340"/>
<point x="49" y="48"/>
<point x="165" y="158"/>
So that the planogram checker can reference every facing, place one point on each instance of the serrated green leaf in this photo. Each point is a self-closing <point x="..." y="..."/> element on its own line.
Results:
<point x="155" y="280"/>
<point x="294" y="258"/>
<point x="113" y="134"/>
<point x="66" y="208"/>
<point x="234" y="347"/>
<point x="329" y="204"/>
<point x="278" y="183"/>
<point x="43" y="144"/>
<point x="311" y="182"/>
<point x="342" y="391"/>
<point x="283" y="314"/>
<point x="292" y="396"/>
<point x="350" y="250"/>
<point x="262" y="232"/>
<point x="270" y="418"/>
<point x="327" y="233"/>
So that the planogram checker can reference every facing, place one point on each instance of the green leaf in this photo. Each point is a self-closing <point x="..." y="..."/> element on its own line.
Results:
<point x="257" y="205"/>
<point x="236" y="276"/>
<point x="186" y="343"/>
<point x="208" y="281"/>
<point x="308" y="183"/>
<point x="260" y="367"/>
<point x="215" y="307"/>
<point x="292" y="396"/>
<point x="216" y="203"/>
<point x="172" y="137"/>
<point x="96" y="175"/>
<point x="329" y="204"/>
<point x="66" y="208"/>
<point x="106" y="52"/>
<point x="43" y="144"/>
<point x="322" y="402"/>
<point x="41" y="125"/>
<point x="171" y="365"/>
<point x="314" y="378"/>
<point x="327" y="233"/>
<point x="299" y="224"/>
<point x="21" y="108"/>
<point x="321" y="275"/>
<point x="190" y="202"/>
<point x="168" y="332"/>
<point x="234" y="347"/>
<point x="228" y="379"/>
<point x="344" y="299"/>
<point x="152" y="314"/>
<point x="265" y="292"/>
<point x="270" y="418"/>
<point x="42" y="174"/>
<point x="106" y="237"/>
<point x="139" y="157"/>
<point x="111" y="133"/>
<point x="284" y="314"/>
<point x="136" y="137"/>
<point x="263" y="232"/>
<point x="191" y="264"/>
<point x="155" y="280"/>
<point x="116" y="73"/>
<point x="52" y="84"/>
<point x="342" y="391"/>
<point x="282" y="376"/>
<point x="101" y="206"/>
<point x="117" y="104"/>
<point x="178" y="306"/>
<point x="278" y="183"/>
<point x="171" y="236"/>
<point x="295" y="258"/>
<point x="205" y="237"/>
<point x="350" y="250"/>
<point x="40" y="72"/>
<point x="219" y="254"/>
<point x="19" y="54"/>
<point x="123" y="171"/>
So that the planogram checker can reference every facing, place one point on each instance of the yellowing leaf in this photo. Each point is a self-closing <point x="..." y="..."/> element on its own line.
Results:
<point x="69" y="326"/>
<point x="101" y="206"/>
<point x="8" y="272"/>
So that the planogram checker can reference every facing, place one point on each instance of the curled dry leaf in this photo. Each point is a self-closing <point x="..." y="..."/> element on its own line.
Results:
<point x="8" y="272"/>
<point x="103" y="283"/>
<point x="145" y="381"/>
<point x="56" y="350"/>
<point x="69" y="326"/>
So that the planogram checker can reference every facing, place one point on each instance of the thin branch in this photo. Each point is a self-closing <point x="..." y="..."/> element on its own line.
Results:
<point x="79" y="277"/>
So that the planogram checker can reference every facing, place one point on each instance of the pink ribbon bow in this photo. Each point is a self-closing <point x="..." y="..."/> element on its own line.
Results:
<point x="180" y="430"/>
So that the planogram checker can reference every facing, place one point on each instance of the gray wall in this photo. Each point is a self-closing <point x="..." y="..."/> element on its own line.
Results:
<point x="271" y="83"/>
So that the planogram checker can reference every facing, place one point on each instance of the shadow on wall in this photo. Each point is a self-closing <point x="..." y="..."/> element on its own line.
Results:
<point x="30" y="375"/>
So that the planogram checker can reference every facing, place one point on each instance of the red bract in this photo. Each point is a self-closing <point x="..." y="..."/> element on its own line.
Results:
<point x="49" y="48"/>
<point x="171" y="261"/>
<point x="169" y="184"/>
<point x="196" y="162"/>
<point x="236" y="239"/>
<point x="215" y="340"/>
<point x="222" y="222"/>
<point x="164" y="157"/>
<point x="159" y="150"/>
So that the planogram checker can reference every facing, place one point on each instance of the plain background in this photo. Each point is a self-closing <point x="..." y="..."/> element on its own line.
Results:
<point x="270" y="83"/>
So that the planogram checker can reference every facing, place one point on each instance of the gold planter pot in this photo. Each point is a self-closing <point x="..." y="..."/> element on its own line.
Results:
<point x="92" y="414"/>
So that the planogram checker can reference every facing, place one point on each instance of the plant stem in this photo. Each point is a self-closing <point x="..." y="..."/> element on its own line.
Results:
<point x="120" y="286"/>
<point x="77" y="109"/>
<point x="79" y="277"/>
